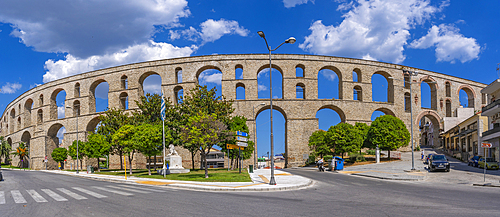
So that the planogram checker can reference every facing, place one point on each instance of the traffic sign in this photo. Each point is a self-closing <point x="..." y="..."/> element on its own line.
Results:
<point x="241" y="139"/>
<point x="242" y="144"/>
<point x="486" y="145"/>
<point x="231" y="146"/>
<point x="239" y="133"/>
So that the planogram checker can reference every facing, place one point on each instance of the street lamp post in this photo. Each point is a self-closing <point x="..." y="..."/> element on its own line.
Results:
<point x="77" y="110"/>
<point x="290" y="40"/>
<point x="254" y="139"/>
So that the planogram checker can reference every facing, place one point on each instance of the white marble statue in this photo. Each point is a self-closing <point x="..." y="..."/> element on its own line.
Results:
<point x="172" y="150"/>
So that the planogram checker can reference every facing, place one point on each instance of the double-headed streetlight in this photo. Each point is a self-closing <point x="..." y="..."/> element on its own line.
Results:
<point x="76" y="111"/>
<point x="254" y="139"/>
<point x="290" y="40"/>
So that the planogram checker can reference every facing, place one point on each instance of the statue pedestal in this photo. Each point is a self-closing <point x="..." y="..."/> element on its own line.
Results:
<point x="175" y="165"/>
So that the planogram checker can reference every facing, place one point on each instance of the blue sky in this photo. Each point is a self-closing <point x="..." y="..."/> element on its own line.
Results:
<point x="42" y="41"/>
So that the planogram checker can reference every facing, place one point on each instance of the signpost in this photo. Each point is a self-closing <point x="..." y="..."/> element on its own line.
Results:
<point x="242" y="142"/>
<point x="485" y="146"/>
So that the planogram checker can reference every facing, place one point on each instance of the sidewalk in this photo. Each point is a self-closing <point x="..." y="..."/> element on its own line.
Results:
<point x="260" y="179"/>
<point x="396" y="170"/>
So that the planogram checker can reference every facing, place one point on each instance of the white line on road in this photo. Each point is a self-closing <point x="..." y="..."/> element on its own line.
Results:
<point x="36" y="196"/>
<point x="89" y="192"/>
<point x="113" y="191"/>
<point x="71" y="194"/>
<point x="129" y="189"/>
<point x="18" y="197"/>
<point x="142" y="188"/>
<point x="54" y="195"/>
<point x="2" y="197"/>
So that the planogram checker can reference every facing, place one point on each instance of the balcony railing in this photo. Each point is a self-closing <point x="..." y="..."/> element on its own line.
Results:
<point x="489" y="132"/>
<point x="491" y="105"/>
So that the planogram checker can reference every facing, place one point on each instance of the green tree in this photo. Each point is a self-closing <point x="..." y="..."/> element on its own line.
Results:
<point x="149" y="113"/>
<point x="149" y="140"/>
<point x="112" y="120"/>
<point x="23" y="153"/>
<point x="59" y="154"/>
<point x="363" y="131"/>
<point x="204" y="131"/>
<point x="125" y="137"/>
<point x="96" y="147"/>
<point x="388" y="133"/>
<point x="81" y="152"/>
<point x="344" y="138"/>
<point x="5" y="149"/>
<point x="318" y="142"/>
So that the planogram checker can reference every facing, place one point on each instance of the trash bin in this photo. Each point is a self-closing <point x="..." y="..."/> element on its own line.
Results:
<point x="90" y="169"/>
<point x="331" y="163"/>
<point x="250" y="168"/>
<point x="339" y="163"/>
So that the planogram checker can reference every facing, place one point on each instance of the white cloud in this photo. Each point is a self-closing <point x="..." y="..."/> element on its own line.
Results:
<point x="60" y="111"/>
<point x="10" y="87"/>
<point x="152" y="84"/>
<point x="293" y="3"/>
<point x="88" y="28"/>
<point x="261" y="87"/>
<point x="137" y="53"/>
<point x="210" y="77"/>
<point x="60" y="134"/>
<point x="329" y="74"/>
<point x="211" y="30"/>
<point x="450" y="44"/>
<point x="376" y="29"/>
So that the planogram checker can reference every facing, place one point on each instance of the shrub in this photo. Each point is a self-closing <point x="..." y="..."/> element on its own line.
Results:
<point x="312" y="159"/>
<point x="417" y="148"/>
<point x="371" y="152"/>
<point x="356" y="158"/>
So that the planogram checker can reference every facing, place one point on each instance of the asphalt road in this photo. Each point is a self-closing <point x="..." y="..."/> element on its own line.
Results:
<point x="47" y="194"/>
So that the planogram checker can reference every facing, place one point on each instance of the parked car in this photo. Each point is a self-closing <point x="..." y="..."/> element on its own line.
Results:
<point x="490" y="163"/>
<point x="427" y="158"/>
<point x="473" y="161"/>
<point x="438" y="162"/>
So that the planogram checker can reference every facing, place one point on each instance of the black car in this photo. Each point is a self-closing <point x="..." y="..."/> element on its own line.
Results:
<point x="438" y="162"/>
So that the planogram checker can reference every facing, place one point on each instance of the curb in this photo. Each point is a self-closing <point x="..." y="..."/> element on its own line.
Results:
<point x="387" y="178"/>
<point x="486" y="185"/>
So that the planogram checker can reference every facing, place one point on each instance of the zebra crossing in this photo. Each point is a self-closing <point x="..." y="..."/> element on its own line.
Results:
<point x="76" y="193"/>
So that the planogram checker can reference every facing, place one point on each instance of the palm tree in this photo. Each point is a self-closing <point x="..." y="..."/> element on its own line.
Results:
<point x="5" y="149"/>
<point x="22" y="152"/>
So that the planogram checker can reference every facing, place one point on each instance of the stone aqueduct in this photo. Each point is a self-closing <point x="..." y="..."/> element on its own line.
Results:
<point x="32" y="117"/>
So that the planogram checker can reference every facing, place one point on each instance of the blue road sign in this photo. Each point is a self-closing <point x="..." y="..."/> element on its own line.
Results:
<point x="239" y="133"/>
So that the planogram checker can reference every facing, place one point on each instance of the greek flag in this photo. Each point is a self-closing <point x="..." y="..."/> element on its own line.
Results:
<point x="162" y="107"/>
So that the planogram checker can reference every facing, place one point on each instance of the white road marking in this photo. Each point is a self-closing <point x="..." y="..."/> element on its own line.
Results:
<point x="54" y="195"/>
<point x="129" y="189"/>
<point x="143" y="188"/>
<point x="2" y="197"/>
<point x="36" y="196"/>
<point x="89" y="192"/>
<point x="113" y="191"/>
<point x="72" y="194"/>
<point x="18" y="197"/>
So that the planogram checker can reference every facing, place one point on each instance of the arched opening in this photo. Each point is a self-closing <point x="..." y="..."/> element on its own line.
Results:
<point x="178" y="75"/>
<point x="299" y="71"/>
<point x="150" y="82"/>
<point x="179" y="94"/>
<point x="300" y="91"/>
<point x="238" y="72"/>
<point x="77" y="90"/>
<point x="263" y="79"/>
<point x="12" y="120"/>
<point x="240" y="91"/>
<point x="279" y="133"/>
<point x="28" y="106"/>
<point x="40" y="100"/>
<point x="448" y="89"/>
<point x="329" y="83"/>
<point x="356" y="75"/>
<point x="428" y="94"/>
<point x="19" y="122"/>
<point x="26" y="139"/>
<point x="407" y="102"/>
<point x="466" y="97"/>
<point x="382" y="87"/>
<point x="39" y="118"/>
<point x="379" y="112"/>
<point x="329" y="116"/>
<point x="76" y="108"/>
<point x="448" y="108"/>
<point x="92" y="125"/>
<point x="212" y="78"/>
<point x="124" y="101"/>
<point x="124" y="82"/>
<point x="57" y="102"/>
<point x="407" y="81"/>
<point x="55" y="138"/>
<point x="98" y="101"/>
<point x="429" y="130"/>
<point x="357" y="94"/>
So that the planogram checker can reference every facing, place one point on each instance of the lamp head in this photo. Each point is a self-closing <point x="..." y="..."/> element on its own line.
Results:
<point x="290" y="40"/>
<point x="262" y="104"/>
<point x="261" y="33"/>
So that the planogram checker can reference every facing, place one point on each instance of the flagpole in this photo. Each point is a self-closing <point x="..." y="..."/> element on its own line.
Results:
<point x="163" y="140"/>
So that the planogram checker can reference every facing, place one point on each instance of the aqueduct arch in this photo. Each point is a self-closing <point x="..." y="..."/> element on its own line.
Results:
<point x="179" y="75"/>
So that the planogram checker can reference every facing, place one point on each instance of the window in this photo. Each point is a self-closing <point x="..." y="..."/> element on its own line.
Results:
<point x="238" y="72"/>
<point x="124" y="82"/>
<point x="300" y="91"/>
<point x="357" y="94"/>
<point x="178" y="75"/>
<point x="77" y="90"/>
<point x="448" y="89"/>
<point x="299" y="71"/>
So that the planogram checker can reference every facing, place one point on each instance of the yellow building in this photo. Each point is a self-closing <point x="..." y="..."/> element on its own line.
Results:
<point x="463" y="140"/>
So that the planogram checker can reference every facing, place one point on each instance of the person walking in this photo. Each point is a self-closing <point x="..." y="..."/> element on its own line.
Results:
<point x="423" y="154"/>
